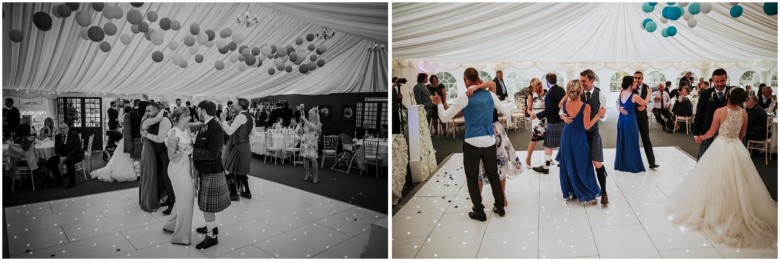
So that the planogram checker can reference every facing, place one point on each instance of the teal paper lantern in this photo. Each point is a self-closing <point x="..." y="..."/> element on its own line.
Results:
<point x="665" y="12"/>
<point x="770" y="8"/>
<point x="736" y="11"/>
<point x="647" y="8"/>
<point x="694" y="8"/>
<point x="664" y="33"/>
<point x="675" y="12"/>
<point x="644" y="22"/>
<point x="670" y="3"/>
<point x="651" y="26"/>
<point x="671" y="31"/>
<point x="652" y="3"/>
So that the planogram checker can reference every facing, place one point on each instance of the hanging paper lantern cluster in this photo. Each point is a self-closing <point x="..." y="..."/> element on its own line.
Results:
<point x="770" y="8"/>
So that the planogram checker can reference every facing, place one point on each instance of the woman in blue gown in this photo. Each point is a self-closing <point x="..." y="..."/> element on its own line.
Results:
<point x="627" y="156"/>
<point x="578" y="178"/>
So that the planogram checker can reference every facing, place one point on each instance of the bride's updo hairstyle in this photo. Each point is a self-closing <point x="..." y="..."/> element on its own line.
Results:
<point x="573" y="89"/>
<point x="178" y="113"/>
<point x="737" y="96"/>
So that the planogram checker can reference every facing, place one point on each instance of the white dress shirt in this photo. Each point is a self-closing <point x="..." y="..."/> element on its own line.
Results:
<point x="461" y="102"/>
<point x="665" y="97"/>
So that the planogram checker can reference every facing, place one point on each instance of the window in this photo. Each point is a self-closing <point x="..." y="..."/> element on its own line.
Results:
<point x="773" y="83"/>
<point x="359" y="116"/>
<point x="485" y="76"/>
<point x="749" y="78"/>
<point x="616" y="81"/>
<point x="450" y="85"/>
<point x="654" y="78"/>
<point x="371" y="113"/>
<point x="561" y="80"/>
<point x="515" y="81"/>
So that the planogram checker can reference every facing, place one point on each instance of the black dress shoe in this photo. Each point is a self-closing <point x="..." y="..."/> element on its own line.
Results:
<point x="207" y="242"/>
<point x="246" y="195"/>
<point x="70" y="185"/>
<point x="55" y="184"/>
<point x="167" y="231"/>
<point x="500" y="211"/>
<point x="653" y="166"/>
<point x="167" y="211"/>
<point x="478" y="216"/>
<point x="234" y="198"/>
<point x="165" y="204"/>
<point x="203" y="230"/>
<point x="542" y="170"/>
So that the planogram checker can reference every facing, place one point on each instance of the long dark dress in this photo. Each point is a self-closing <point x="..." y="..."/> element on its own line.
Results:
<point x="149" y="187"/>
<point x="578" y="178"/>
<point x="627" y="157"/>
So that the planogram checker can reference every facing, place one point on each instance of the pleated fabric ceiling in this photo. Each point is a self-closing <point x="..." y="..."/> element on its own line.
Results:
<point x="199" y="46"/>
<point x="578" y="32"/>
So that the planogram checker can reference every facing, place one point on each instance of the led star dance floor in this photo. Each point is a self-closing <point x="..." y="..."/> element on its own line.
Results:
<point x="538" y="224"/>
<point x="279" y="221"/>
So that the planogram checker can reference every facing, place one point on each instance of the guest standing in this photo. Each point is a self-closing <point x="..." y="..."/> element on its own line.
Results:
<point x="239" y="153"/>
<point x="627" y="156"/>
<point x="131" y="133"/>
<point x="436" y="87"/>
<point x="554" y="124"/>
<point x="709" y="100"/>
<point x="577" y="177"/>
<point x="288" y="113"/>
<point x="150" y="187"/>
<point x="422" y="96"/>
<point x="765" y="100"/>
<point x="309" y="143"/>
<point x="67" y="147"/>
<point x="179" y="148"/>
<point x="157" y="133"/>
<point x="535" y="105"/>
<point x="642" y="119"/>
<point x="113" y="116"/>
<point x="11" y="117"/>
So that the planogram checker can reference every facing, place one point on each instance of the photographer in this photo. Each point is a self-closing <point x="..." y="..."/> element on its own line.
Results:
<point x="397" y="100"/>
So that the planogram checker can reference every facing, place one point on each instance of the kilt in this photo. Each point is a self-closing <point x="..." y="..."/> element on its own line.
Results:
<point x="552" y="134"/>
<point x="213" y="194"/>
<point x="137" y="146"/>
<point x="238" y="159"/>
<point x="596" y="149"/>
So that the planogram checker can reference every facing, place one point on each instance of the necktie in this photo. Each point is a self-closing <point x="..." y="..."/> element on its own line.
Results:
<point x="64" y="139"/>
<point x="720" y="96"/>
<point x="503" y="88"/>
<point x="587" y="97"/>
<point x="662" y="100"/>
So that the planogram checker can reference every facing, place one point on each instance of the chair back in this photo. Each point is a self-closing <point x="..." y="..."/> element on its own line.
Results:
<point x="289" y="140"/>
<point x="769" y="123"/>
<point x="520" y="102"/>
<point x="269" y="141"/>
<point x="372" y="147"/>
<point x="331" y="142"/>
<point x="88" y="151"/>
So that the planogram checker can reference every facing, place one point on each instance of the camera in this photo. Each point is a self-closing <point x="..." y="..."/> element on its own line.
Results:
<point x="400" y="81"/>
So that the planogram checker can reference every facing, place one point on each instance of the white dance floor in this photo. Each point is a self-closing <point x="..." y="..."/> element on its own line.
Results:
<point x="279" y="222"/>
<point x="538" y="224"/>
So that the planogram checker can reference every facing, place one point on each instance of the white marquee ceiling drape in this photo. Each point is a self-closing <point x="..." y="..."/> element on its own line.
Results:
<point x="61" y="61"/>
<point x="576" y="32"/>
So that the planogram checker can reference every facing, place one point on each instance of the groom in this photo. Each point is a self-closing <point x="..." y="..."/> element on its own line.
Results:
<point x="213" y="194"/>
<point x="710" y="100"/>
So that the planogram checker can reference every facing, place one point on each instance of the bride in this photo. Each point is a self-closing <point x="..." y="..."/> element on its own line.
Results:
<point x="723" y="196"/>
<point x="120" y="167"/>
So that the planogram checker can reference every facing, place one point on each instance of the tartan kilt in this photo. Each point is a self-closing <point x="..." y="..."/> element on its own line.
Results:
<point x="596" y="148"/>
<point x="137" y="147"/>
<point x="238" y="159"/>
<point x="552" y="135"/>
<point x="213" y="194"/>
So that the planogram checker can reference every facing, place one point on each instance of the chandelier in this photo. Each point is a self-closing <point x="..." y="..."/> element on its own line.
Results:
<point x="376" y="47"/>
<point x="247" y="18"/>
<point x="325" y="33"/>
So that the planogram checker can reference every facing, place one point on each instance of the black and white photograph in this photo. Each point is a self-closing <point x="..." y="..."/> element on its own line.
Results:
<point x="584" y="130"/>
<point x="195" y="130"/>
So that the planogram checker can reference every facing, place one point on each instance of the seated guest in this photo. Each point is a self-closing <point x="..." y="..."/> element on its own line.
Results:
<point x="756" y="123"/>
<point x="294" y="126"/>
<point x="749" y="90"/>
<point x="661" y="104"/>
<point x="363" y="131"/>
<point x="67" y="147"/>
<point x="279" y="124"/>
<point x="22" y="134"/>
<point x="48" y="129"/>
<point x="766" y="98"/>
<point x="684" y="106"/>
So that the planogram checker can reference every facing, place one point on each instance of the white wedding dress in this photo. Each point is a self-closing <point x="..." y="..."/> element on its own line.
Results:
<point x="119" y="168"/>
<point x="724" y="197"/>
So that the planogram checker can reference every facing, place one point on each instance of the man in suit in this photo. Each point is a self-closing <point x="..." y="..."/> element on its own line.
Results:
<point x="709" y="100"/>
<point x="363" y="131"/>
<point x="554" y="127"/>
<point x="157" y="133"/>
<point x="642" y="119"/>
<point x="287" y="113"/>
<point x="396" y="100"/>
<point x="756" y="124"/>
<point x="11" y="117"/>
<point x="298" y="111"/>
<point x="67" y="147"/>
<point x="422" y="96"/>
<point x="765" y="99"/>
<point x="113" y="116"/>
<point x="501" y="89"/>
<point x="131" y="134"/>
<point x="193" y="112"/>
<point x="213" y="194"/>
<point x="596" y="99"/>
<point x="178" y="103"/>
<point x="275" y="115"/>
<point x="480" y="140"/>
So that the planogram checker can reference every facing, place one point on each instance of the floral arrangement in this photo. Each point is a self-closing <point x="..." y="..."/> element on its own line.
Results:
<point x="400" y="161"/>
<point x="429" y="164"/>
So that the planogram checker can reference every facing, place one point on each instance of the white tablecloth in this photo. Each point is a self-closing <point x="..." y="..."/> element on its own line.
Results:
<point x="43" y="150"/>
<point x="258" y="144"/>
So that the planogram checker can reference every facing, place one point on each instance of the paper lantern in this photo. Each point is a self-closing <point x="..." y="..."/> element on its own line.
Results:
<point x="675" y="12"/>
<point x="109" y="28"/>
<point x="148" y="34"/>
<point x="233" y="57"/>
<point x="210" y="34"/>
<point x="255" y="51"/>
<point x="281" y="51"/>
<point x="303" y="69"/>
<point x="177" y="59"/>
<point x="271" y="71"/>
<point x="250" y="60"/>
<point x="244" y="50"/>
<point x="687" y="16"/>
<point x="694" y="8"/>
<point x="298" y="41"/>
<point x="117" y="12"/>
<point x="664" y="33"/>
<point x="320" y="63"/>
<point x="241" y="67"/>
<point x="165" y="23"/>
<point x="240" y="57"/>
<point x="664" y="20"/>
<point x="125" y="39"/>
<point x="647" y="8"/>
<point x="189" y="40"/>
<point x="42" y="20"/>
<point x="157" y="56"/>
<point x="278" y="62"/>
<point x="73" y="6"/>
<point x="293" y="56"/>
<point x="209" y="44"/>
<point x="265" y="50"/>
<point x="202" y="38"/>
<point x="84" y="33"/>
<point x="151" y="16"/>
<point x="309" y="37"/>
<point x="238" y="37"/>
<point x="173" y="45"/>
<point x="98" y="6"/>
<point x="134" y="16"/>
<point x="96" y="33"/>
<point x="736" y="11"/>
<point x="143" y="27"/>
<point x="226" y="32"/>
<point x="651" y="26"/>
<point x="733" y="3"/>
<point x="323" y="48"/>
<point x="134" y="29"/>
<point x="273" y="49"/>
<point x="223" y="50"/>
<point x="158" y="37"/>
<point x="194" y="29"/>
<point x="299" y="61"/>
<point x="175" y="25"/>
<point x="313" y="57"/>
<point x="311" y="47"/>
<point x="671" y="31"/>
<point x="770" y="8"/>
<point x="183" y="64"/>
<point x="137" y="4"/>
<point x="312" y="65"/>
<point x="670" y="3"/>
<point x="692" y="22"/>
<point x="198" y="58"/>
<point x="219" y="65"/>
<point x="16" y="35"/>
<point x="83" y="18"/>
<point x="53" y="11"/>
<point x="706" y="8"/>
<point x="232" y="46"/>
<point x="644" y="22"/>
<point x="220" y="43"/>
<point x="318" y="52"/>
<point x="63" y="10"/>
<point x="105" y="47"/>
